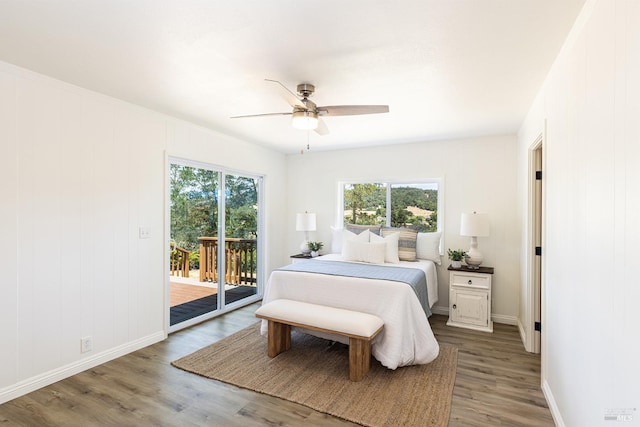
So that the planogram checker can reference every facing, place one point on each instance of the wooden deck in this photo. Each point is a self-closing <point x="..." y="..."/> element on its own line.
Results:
<point x="180" y="293"/>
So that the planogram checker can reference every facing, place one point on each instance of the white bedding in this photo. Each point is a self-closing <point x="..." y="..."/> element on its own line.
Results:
<point x="406" y="339"/>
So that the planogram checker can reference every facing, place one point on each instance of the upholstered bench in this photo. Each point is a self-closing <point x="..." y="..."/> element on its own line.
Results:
<point x="359" y="327"/>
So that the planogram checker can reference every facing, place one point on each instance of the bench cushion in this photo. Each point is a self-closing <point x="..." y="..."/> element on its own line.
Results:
<point x="341" y="321"/>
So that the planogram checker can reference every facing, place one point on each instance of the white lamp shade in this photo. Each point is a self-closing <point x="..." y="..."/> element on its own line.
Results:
<point x="306" y="222"/>
<point x="474" y="224"/>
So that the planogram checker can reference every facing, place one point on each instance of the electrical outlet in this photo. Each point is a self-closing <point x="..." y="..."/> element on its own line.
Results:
<point x="86" y="344"/>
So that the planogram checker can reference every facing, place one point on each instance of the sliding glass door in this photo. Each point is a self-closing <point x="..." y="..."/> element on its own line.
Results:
<point x="240" y="264"/>
<point x="214" y="226"/>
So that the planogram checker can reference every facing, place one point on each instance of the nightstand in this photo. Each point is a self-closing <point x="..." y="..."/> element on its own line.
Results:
<point x="299" y="257"/>
<point x="470" y="298"/>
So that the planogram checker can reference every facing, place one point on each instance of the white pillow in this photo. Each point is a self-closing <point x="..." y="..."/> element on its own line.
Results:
<point x="362" y="237"/>
<point x="336" y="240"/>
<point x="391" y="253"/>
<point x="338" y="235"/>
<point x="428" y="246"/>
<point x="363" y="252"/>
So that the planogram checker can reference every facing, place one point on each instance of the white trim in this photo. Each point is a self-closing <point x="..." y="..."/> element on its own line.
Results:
<point x="504" y="319"/>
<point x="437" y="309"/>
<point x="34" y="383"/>
<point x="166" y="319"/>
<point x="221" y="260"/>
<point x="551" y="403"/>
<point x="543" y="294"/>
<point x="440" y="226"/>
<point x="526" y="327"/>
<point x="523" y="333"/>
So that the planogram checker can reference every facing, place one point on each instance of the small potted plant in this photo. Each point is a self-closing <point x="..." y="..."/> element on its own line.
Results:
<point x="456" y="256"/>
<point x="315" y="247"/>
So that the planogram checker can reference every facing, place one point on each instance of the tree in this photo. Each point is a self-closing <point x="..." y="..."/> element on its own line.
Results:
<point x="194" y="200"/>
<point x="361" y="197"/>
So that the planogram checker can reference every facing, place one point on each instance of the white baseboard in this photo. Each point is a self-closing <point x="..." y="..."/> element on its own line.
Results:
<point x="523" y="337"/>
<point x="34" y="383"/>
<point x="440" y="310"/>
<point x="503" y="318"/>
<point x="553" y="407"/>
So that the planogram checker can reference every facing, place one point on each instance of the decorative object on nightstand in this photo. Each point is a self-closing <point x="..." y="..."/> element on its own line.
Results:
<point x="474" y="225"/>
<point x="470" y="298"/>
<point x="315" y="247"/>
<point x="305" y="222"/>
<point x="456" y="256"/>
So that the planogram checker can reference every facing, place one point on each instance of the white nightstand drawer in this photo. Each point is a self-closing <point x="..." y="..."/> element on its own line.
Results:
<point x="471" y="280"/>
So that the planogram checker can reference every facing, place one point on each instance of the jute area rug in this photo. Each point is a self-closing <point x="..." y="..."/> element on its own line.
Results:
<point x="315" y="373"/>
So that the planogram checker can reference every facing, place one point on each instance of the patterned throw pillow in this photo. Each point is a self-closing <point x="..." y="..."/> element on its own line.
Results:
<point x="357" y="229"/>
<point x="406" y="242"/>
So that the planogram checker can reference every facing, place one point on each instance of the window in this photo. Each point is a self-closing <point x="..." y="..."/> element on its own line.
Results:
<point x="414" y="205"/>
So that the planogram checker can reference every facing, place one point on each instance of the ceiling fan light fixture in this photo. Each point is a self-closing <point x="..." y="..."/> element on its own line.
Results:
<point x="304" y="119"/>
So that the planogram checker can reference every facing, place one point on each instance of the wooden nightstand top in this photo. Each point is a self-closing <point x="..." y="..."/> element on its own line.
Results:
<point x="485" y="270"/>
<point x="300" y="256"/>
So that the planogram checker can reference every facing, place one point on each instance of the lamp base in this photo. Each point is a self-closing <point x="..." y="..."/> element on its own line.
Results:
<point x="304" y="247"/>
<point x="473" y="258"/>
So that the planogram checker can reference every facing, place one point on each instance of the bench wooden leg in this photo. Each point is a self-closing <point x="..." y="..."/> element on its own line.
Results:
<point x="359" y="358"/>
<point x="279" y="338"/>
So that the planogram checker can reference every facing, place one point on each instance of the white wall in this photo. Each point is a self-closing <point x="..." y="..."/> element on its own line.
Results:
<point x="479" y="174"/>
<point x="80" y="174"/>
<point x="591" y="104"/>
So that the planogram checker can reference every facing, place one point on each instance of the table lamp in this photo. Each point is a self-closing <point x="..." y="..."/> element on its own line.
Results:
<point x="474" y="225"/>
<point x="305" y="222"/>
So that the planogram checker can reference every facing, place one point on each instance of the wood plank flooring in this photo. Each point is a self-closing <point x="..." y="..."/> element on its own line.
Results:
<point x="497" y="384"/>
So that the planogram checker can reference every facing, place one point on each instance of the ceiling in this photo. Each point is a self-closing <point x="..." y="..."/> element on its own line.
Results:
<point x="446" y="68"/>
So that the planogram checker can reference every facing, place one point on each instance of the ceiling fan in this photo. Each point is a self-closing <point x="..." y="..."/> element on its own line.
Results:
<point x="306" y="115"/>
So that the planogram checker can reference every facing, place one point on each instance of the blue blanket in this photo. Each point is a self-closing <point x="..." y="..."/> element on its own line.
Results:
<point x="412" y="276"/>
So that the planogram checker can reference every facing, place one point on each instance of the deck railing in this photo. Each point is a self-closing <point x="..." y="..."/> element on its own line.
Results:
<point x="240" y="260"/>
<point x="179" y="261"/>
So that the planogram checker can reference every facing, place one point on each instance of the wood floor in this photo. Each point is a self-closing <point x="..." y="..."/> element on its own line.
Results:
<point x="496" y="385"/>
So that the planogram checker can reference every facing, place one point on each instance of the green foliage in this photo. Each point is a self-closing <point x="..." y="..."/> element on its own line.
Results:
<point x="242" y="222"/>
<point x="364" y="201"/>
<point x="315" y="246"/>
<point x="456" y="255"/>
<point x="194" y="259"/>
<point x="195" y="196"/>
<point x="365" y="204"/>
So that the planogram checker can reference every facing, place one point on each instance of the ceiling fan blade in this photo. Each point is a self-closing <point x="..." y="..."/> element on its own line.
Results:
<point x="261" y="115"/>
<point x="322" y="128"/>
<point x="291" y="98"/>
<point x="352" y="110"/>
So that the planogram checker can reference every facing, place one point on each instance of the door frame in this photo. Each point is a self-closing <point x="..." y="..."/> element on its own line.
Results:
<point x="169" y="159"/>
<point x="534" y="304"/>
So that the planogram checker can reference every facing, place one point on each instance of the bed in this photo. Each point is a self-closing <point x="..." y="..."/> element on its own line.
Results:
<point x="406" y="339"/>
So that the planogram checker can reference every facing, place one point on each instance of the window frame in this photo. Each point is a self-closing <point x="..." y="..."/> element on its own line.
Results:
<point x="388" y="184"/>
